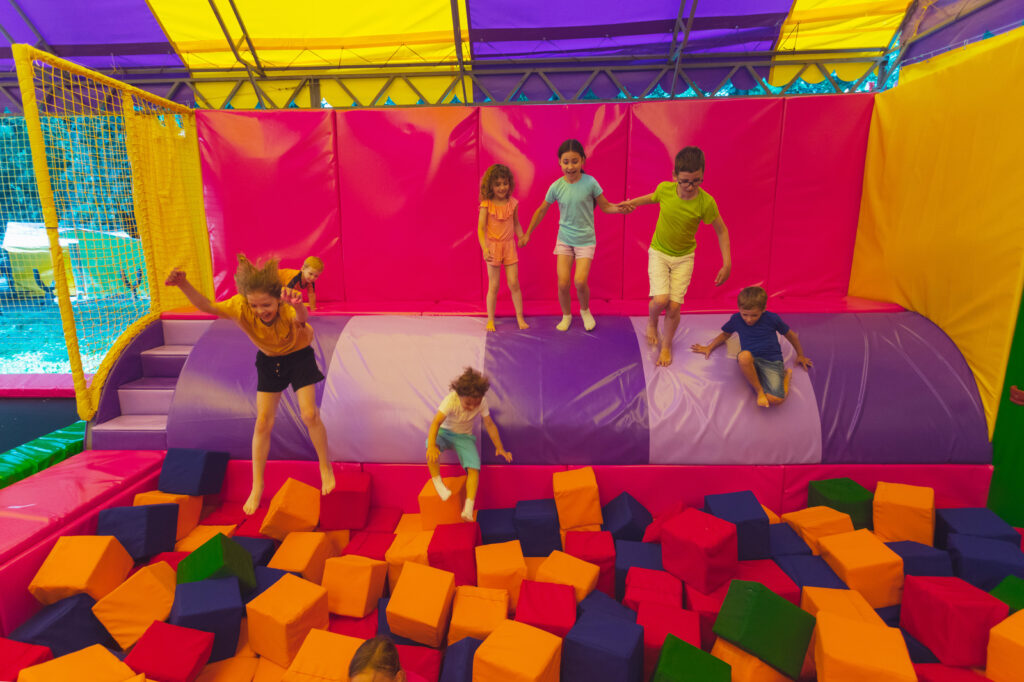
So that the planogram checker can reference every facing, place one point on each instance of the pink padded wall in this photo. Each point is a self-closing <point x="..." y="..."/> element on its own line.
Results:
<point x="270" y="189"/>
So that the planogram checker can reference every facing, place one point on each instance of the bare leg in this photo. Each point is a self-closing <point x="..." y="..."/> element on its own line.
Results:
<point x="512" y="277"/>
<point x="746" y="362"/>
<point x="266" y="409"/>
<point x="493" y="280"/>
<point x="563" y="268"/>
<point x="583" y="291"/>
<point x="472" y="485"/>
<point x="657" y="305"/>
<point x="671" y="324"/>
<point x="317" y="433"/>
<point x="785" y="382"/>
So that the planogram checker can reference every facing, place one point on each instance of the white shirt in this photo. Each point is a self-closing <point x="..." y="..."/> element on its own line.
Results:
<point x="460" y="420"/>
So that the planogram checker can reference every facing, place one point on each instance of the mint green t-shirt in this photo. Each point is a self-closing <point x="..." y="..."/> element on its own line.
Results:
<point x="678" y="219"/>
<point x="575" y="208"/>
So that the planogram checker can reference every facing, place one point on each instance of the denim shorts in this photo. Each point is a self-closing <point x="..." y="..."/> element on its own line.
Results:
<point x="464" y="445"/>
<point x="771" y="373"/>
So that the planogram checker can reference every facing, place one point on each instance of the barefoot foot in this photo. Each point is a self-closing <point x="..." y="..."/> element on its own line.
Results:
<point x="253" y="503"/>
<point x="490" y="325"/>
<point x="762" y="399"/>
<point x="785" y="382"/>
<point x="665" y="357"/>
<point x="652" y="335"/>
<point x="775" y="400"/>
<point x="326" y="479"/>
<point x="522" y="323"/>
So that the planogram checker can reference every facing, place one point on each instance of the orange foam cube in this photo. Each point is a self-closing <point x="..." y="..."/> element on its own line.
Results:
<point x="268" y="671"/>
<point x="865" y="564"/>
<point x="533" y="564"/>
<point x="243" y="650"/>
<point x="1006" y="650"/>
<point x="354" y="583"/>
<point x="130" y="608"/>
<point x="295" y="507"/>
<point x="282" y="616"/>
<point x="409" y="523"/>
<point x="339" y="540"/>
<point x="576" y="498"/>
<point x="476" y="612"/>
<point x="847" y="603"/>
<point x="407" y="547"/>
<point x="235" y="669"/>
<point x="421" y="604"/>
<point x="303" y="553"/>
<point x="199" y="535"/>
<point x="772" y="516"/>
<point x="746" y="667"/>
<point x="433" y="511"/>
<point x="848" y="649"/>
<point x="566" y="569"/>
<point x="94" y="564"/>
<point x="814" y="523"/>
<point x="904" y="512"/>
<point x="517" y="652"/>
<point x="501" y="566"/>
<point x="93" y="663"/>
<point x="323" y="657"/>
<point x="189" y="508"/>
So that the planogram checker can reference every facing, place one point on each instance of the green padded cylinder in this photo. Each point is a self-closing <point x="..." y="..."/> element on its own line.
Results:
<point x="218" y="557"/>
<point x="682" y="662"/>
<point x="764" y="624"/>
<point x="1011" y="591"/>
<point x="845" y="495"/>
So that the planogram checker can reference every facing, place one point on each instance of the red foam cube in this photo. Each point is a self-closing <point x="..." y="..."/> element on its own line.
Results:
<point x="369" y="544"/>
<point x="348" y="505"/>
<point x="649" y="585"/>
<point x="706" y="605"/>
<point x="659" y="620"/>
<point x="936" y="672"/>
<point x="653" y="531"/>
<point x="699" y="549"/>
<point x="362" y="628"/>
<point x="171" y="653"/>
<point x="172" y="558"/>
<point x="383" y="519"/>
<point x="598" y="548"/>
<point x="768" y="573"/>
<point x="15" y="656"/>
<point x="250" y="528"/>
<point x="453" y="548"/>
<point x="548" y="606"/>
<point x="421" y="660"/>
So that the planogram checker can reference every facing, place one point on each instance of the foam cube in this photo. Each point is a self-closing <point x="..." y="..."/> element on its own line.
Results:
<point x="744" y="511"/>
<point x="16" y="656"/>
<point x="354" y="584"/>
<point x="129" y="609"/>
<point x="235" y="669"/>
<point x="904" y="513"/>
<point x="548" y="606"/>
<point x="745" y="666"/>
<point x="848" y="649"/>
<point x="785" y="541"/>
<point x="259" y="549"/>
<point x="566" y="569"/>
<point x="169" y="652"/>
<point x="407" y="547"/>
<point x="978" y="521"/>
<point x="433" y="511"/>
<point x="93" y="663"/>
<point x="81" y="563"/>
<point x="501" y="566"/>
<point x="339" y="540"/>
<point x="562" y="532"/>
<point x="249" y="526"/>
<point x="421" y="604"/>
<point x="385" y="520"/>
<point x="984" y="562"/>
<point x="282" y="615"/>
<point x="265" y="577"/>
<point x="537" y="527"/>
<point x="458" y="660"/>
<point x="192" y="472"/>
<point x="1006" y="650"/>
<point x="807" y="570"/>
<point x="921" y="559"/>
<point x="476" y="612"/>
<point x="533" y="564"/>
<point x="189" y="508"/>
<point x="597" y="548"/>
<point x="661" y="620"/>
<point x="303" y="553"/>
<point x="625" y="518"/>
<point x="172" y="559"/>
<point x="646" y="585"/>
<point x="577" y="498"/>
<point x="602" y="648"/>
<point x="764" y="624"/>
<point x="653" y="531"/>
<point x="218" y="557"/>
<point x="496" y="525"/>
<point x="773" y="518"/>
<point x="372" y="544"/>
<point x="229" y="514"/>
<point x="294" y="507"/>
<point x="951" y="617"/>
<point x="706" y="606"/>
<point x="214" y="606"/>
<point x="409" y="523"/>
<point x="629" y="554"/>
<point x="200" y="535"/>
<point x="847" y="603"/>
<point x="363" y="628"/>
<point x="420" y="663"/>
<point x="64" y="626"/>
<point x="348" y="505"/>
<point x="323" y="657"/>
<point x="682" y="662"/>
<point x="268" y="671"/>
<point x="814" y="523"/>
<point x="384" y="630"/>
<point x="516" y="652"/>
<point x="844" y="495"/>
<point x="599" y="602"/>
<point x="699" y="548"/>
<point x="452" y="548"/>
<point x="918" y="652"/>
<point x="865" y="564"/>
<point x="936" y="672"/>
<point x="1011" y="591"/>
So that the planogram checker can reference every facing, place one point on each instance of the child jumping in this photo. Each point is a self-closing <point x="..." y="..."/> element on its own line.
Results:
<point x="274" y="318"/>
<point x="497" y="229"/>
<point x="452" y="429"/>
<point x="576" y="193"/>
<point x="760" y="359"/>
<point x="304" y="279"/>
<point x="683" y="206"/>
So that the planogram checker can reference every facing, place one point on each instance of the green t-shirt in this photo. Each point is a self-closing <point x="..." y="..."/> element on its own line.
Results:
<point x="678" y="219"/>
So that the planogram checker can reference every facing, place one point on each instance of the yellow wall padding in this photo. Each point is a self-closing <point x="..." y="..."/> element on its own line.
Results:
<point x="946" y="60"/>
<point x="940" y="229"/>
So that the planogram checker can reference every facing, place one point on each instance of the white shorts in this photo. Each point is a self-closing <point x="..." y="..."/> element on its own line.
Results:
<point x="669" y="274"/>
<point x="563" y="249"/>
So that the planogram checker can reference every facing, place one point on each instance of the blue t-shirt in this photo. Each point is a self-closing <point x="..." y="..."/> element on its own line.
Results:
<point x="576" y="209"/>
<point x="759" y="338"/>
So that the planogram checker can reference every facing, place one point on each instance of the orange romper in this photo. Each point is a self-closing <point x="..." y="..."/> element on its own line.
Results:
<point x="501" y="236"/>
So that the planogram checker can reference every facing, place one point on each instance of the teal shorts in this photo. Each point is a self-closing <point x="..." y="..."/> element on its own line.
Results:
<point x="464" y="445"/>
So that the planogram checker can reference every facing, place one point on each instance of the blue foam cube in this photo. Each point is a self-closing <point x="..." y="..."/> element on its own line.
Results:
<point x="265" y="577"/>
<point x="600" y="603"/>
<point x="785" y="541"/>
<point x="629" y="554"/>
<point x="215" y="606"/>
<point x="65" y="626"/>
<point x="261" y="549"/>
<point x="919" y="653"/>
<point x="626" y="518"/>
<point x="984" y="562"/>
<point x="921" y="559"/>
<point x="536" y="524"/>
<point x="978" y="521"/>
<point x="809" y="571"/>
<point x="496" y="525"/>
<point x="144" y="531"/>
<point x="743" y="510"/>
<point x="192" y="472"/>
<point x="890" y="615"/>
<point x="603" y="648"/>
<point x="458" y="660"/>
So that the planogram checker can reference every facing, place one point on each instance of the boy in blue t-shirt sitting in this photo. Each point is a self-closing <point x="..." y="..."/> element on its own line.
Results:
<point x="760" y="359"/>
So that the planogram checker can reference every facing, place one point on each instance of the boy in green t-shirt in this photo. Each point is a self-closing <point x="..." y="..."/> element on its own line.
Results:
<point x="683" y="207"/>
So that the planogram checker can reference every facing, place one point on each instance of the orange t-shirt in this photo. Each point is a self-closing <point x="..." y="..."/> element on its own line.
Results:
<point x="281" y="337"/>
<point x="499" y="219"/>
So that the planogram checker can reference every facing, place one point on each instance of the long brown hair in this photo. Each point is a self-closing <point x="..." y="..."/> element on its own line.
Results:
<point x="260" y="278"/>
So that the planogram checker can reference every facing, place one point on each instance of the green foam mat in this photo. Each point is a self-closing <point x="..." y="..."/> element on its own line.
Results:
<point x="41" y="453"/>
<point x="845" y="495"/>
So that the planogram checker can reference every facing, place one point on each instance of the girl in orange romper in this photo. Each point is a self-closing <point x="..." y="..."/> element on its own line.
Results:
<point x="498" y="230"/>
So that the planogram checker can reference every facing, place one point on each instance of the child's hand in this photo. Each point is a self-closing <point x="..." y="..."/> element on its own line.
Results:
<point x="702" y="350"/>
<point x="291" y="296"/>
<point x="487" y="255"/>
<point x="625" y="207"/>
<point x="433" y="454"/>
<point x="804" y="362"/>
<point x="502" y="452"/>
<point x="175" y="278"/>
<point x="523" y="239"/>
<point x="723" y="275"/>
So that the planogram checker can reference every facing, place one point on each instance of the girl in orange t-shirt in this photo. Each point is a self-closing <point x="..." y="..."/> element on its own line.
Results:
<point x="498" y="229"/>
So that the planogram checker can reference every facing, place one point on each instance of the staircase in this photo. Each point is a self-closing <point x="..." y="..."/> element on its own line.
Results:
<point x="146" y="401"/>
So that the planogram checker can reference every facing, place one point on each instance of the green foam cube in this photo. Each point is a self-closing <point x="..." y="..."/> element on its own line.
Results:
<point x="845" y="495"/>
<point x="682" y="662"/>
<point x="218" y="557"/>
<point x="1011" y="591"/>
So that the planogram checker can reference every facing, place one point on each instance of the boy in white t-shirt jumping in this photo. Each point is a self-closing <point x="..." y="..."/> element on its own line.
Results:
<point x="452" y="429"/>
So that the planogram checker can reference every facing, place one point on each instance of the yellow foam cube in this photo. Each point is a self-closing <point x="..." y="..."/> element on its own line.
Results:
<point x="904" y="512"/>
<point x="1005" y="658"/>
<point x="323" y="657"/>
<point x="433" y="511"/>
<point x="235" y="669"/>
<point x="421" y="604"/>
<point x="566" y="569"/>
<point x="517" y="652"/>
<point x="501" y="566"/>
<point x="295" y="507"/>
<point x="281" y="617"/>
<point x="476" y="612"/>
<point x="814" y="523"/>
<point x="848" y="649"/>
<point x="93" y="663"/>
<point x="865" y="564"/>
<point x="189" y="508"/>
<point x="130" y="608"/>
<point x="746" y="667"/>
<point x="354" y="584"/>
<point x="407" y="547"/>
<point x="199" y="535"/>
<point x="303" y="553"/>
<point x="94" y="564"/>
<point x="577" y="498"/>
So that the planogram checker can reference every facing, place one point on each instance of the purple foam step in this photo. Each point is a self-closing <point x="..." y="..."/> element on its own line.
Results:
<point x="148" y="395"/>
<point x="184" y="332"/>
<point x="131" y="432"/>
<point x="164" y="361"/>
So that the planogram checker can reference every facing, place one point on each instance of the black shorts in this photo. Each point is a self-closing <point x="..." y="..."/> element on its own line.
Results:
<point x="275" y="372"/>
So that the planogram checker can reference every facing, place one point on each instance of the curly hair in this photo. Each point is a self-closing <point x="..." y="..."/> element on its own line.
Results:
<point x="257" y="278"/>
<point x="470" y="384"/>
<point x="496" y="172"/>
<point x="375" y="655"/>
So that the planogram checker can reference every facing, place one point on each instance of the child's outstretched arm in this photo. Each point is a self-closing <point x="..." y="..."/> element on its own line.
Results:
<point x="641" y="201"/>
<point x="492" y="431"/>
<point x="434" y="452"/>
<point x="712" y="345"/>
<point x="538" y="216"/>
<point x="293" y="297"/>
<point x="609" y="207"/>
<point x="177" y="278"/>
<point x="723" y="243"/>
<point x="801" y="359"/>
<point x="481" y="232"/>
